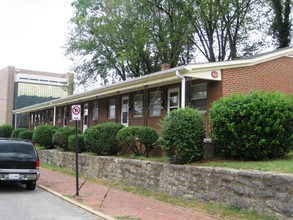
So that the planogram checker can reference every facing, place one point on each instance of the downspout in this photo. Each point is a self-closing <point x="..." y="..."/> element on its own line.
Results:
<point x="183" y="88"/>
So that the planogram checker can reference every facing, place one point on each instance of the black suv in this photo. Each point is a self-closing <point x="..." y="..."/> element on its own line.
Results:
<point x="19" y="162"/>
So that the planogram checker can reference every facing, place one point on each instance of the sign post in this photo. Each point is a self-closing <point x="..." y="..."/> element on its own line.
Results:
<point x="75" y="110"/>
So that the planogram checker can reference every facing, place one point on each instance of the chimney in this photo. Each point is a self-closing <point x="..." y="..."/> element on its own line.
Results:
<point x="165" y="66"/>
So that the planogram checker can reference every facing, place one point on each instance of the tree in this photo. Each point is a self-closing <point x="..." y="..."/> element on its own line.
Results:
<point x="282" y="25"/>
<point x="126" y="38"/>
<point x="221" y="27"/>
<point x="121" y="39"/>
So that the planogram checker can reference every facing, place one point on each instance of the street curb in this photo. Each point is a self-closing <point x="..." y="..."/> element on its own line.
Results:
<point x="102" y="215"/>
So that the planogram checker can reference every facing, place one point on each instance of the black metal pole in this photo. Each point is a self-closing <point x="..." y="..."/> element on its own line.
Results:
<point x="76" y="159"/>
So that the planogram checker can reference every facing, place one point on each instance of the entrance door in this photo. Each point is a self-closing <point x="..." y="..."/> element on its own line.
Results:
<point x="85" y="116"/>
<point x="173" y="99"/>
<point x="124" y="111"/>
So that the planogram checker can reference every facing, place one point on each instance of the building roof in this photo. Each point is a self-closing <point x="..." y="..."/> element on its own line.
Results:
<point x="209" y="71"/>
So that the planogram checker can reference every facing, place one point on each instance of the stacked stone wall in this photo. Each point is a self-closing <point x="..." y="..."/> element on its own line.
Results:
<point x="263" y="192"/>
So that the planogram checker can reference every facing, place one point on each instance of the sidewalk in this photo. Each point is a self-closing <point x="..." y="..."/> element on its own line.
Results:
<point x="118" y="204"/>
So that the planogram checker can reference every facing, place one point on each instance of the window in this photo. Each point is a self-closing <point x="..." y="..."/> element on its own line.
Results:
<point x="95" y="111"/>
<point x="199" y="96"/>
<point x="59" y="115"/>
<point x="138" y="105"/>
<point x="69" y="113"/>
<point x="155" y="103"/>
<point x="51" y="115"/>
<point x="111" y="108"/>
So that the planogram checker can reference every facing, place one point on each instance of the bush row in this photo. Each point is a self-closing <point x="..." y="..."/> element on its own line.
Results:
<point x="254" y="126"/>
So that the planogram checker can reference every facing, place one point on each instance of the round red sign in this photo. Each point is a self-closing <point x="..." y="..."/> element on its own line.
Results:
<point x="215" y="74"/>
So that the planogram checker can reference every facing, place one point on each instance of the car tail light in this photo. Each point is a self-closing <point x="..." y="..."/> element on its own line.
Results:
<point x="37" y="164"/>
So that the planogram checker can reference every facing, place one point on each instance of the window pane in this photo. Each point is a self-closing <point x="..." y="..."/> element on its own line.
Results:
<point x="199" y="96"/>
<point x="111" y="110"/>
<point x="155" y="104"/>
<point x="138" y="105"/>
<point x="199" y="91"/>
<point x="173" y="99"/>
<point x="95" y="111"/>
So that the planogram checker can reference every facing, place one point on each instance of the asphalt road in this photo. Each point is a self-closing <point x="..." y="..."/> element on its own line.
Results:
<point x="18" y="203"/>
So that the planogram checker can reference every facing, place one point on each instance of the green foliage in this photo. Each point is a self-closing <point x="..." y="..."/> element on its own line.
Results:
<point x="156" y="34"/>
<point x="60" y="137"/>
<point x="28" y="135"/>
<point x="6" y="131"/>
<point x="256" y="126"/>
<point x="140" y="139"/>
<point x="43" y="135"/>
<point x="80" y="142"/>
<point x="182" y="135"/>
<point x="16" y="132"/>
<point x="102" y="139"/>
<point x="282" y="25"/>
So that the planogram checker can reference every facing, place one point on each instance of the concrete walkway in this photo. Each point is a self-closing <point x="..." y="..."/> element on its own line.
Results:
<point x="118" y="204"/>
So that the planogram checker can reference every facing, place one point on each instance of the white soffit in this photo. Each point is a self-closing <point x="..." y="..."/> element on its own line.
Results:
<point x="215" y="75"/>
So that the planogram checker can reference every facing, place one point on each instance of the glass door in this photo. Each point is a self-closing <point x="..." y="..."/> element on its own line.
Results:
<point x="173" y="99"/>
<point x="124" y="111"/>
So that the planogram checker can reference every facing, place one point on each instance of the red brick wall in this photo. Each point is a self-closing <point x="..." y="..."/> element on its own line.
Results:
<point x="275" y="75"/>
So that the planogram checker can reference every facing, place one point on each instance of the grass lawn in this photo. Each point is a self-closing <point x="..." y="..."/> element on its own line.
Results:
<point x="284" y="165"/>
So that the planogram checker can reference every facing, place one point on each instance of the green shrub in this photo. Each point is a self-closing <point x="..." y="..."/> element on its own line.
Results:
<point x="182" y="135"/>
<point x="102" y="140"/>
<point x="256" y="126"/>
<point x="140" y="139"/>
<point x="28" y="135"/>
<point x="43" y="135"/>
<point x="16" y="132"/>
<point x="81" y="145"/>
<point x="6" y="131"/>
<point x="60" y="137"/>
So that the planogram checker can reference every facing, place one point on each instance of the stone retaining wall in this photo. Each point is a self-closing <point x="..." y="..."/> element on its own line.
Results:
<point x="266" y="193"/>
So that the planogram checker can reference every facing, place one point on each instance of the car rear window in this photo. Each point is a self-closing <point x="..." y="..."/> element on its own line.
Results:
<point x="23" y="148"/>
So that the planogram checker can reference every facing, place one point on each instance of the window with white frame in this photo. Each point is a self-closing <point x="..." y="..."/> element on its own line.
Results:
<point x="138" y="105"/>
<point x="111" y="108"/>
<point x="155" y="103"/>
<point x="199" y="96"/>
<point x="95" y="110"/>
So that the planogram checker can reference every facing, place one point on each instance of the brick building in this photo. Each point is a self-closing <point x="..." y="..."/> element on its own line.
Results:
<point x="147" y="99"/>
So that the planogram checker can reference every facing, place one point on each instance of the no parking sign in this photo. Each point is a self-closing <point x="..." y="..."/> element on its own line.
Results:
<point x="75" y="109"/>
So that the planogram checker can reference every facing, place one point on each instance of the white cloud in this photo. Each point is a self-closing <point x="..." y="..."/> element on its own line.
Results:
<point x="33" y="32"/>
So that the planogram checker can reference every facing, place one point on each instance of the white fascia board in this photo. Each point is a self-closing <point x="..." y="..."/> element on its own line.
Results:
<point x="215" y="75"/>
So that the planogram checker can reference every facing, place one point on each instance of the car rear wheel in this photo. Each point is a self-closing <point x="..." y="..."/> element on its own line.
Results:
<point x="31" y="185"/>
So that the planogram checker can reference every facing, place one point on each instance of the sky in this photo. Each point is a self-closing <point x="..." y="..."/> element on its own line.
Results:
<point x="33" y="33"/>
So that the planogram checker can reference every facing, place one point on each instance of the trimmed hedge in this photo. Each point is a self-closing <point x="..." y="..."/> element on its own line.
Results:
<point x="140" y="139"/>
<point x="28" y="135"/>
<point x="16" y="132"/>
<point x="255" y="126"/>
<point x="101" y="139"/>
<point x="80" y="141"/>
<point x="60" y="137"/>
<point x="43" y="135"/>
<point x="182" y="135"/>
<point x="6" y="131"/>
